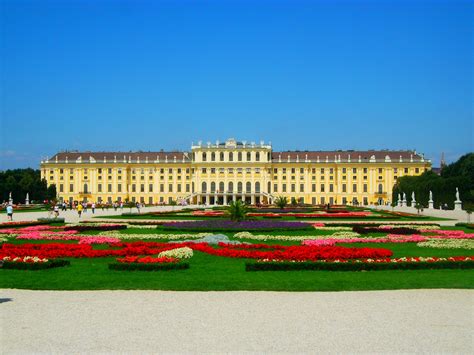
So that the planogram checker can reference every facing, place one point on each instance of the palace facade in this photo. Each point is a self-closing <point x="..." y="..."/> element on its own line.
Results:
<point x="221" y="172"/>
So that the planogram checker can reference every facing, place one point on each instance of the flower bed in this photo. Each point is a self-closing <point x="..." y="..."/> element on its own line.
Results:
<point x="448" y="244"/>
<point x="148" y="266"/>
<point x="458" y="262"/>
<point x="226" y="225"/>
<point x="209" y="213"/>
<point x="22" y="224"/>
<point x="98" y="226"/>
<point x="178" y="253"/>
<point x="313" y="215"/>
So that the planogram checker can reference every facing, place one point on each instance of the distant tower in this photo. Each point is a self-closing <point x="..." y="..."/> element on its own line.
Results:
<point x="442" y="163"/>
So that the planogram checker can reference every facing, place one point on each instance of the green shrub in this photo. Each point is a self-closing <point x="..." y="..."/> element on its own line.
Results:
<point x="35" y="266"/>
<point x="325" y="266"/>
<point x="148" y="267"/>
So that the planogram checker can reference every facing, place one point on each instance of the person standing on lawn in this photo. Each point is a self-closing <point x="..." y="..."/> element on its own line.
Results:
<point x="10" y="212"/>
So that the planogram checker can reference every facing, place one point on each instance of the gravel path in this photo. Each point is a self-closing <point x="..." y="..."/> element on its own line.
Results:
<point x="428" y="321"/>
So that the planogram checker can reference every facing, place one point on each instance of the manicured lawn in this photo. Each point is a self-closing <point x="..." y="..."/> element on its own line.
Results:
<point x="208" y="273"/>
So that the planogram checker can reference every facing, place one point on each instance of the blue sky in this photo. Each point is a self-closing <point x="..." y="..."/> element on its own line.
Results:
<point x="150" y="75"/>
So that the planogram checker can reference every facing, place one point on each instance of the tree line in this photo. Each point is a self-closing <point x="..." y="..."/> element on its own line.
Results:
<point x="459" y="174"/>
<point x="22" y="181"/>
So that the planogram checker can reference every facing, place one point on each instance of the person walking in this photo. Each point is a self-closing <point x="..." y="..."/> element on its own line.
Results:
<point x="93" y="207"/>
<point x="137" y="205"/>
<point x="56" y="211"/>
<point x="79" y="210"/>
<point x="10" y="212"/>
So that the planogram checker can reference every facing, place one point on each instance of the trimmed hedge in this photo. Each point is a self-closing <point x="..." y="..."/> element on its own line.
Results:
<point x="367" y="230"/>
<point x="51" y="220"/>
<point x="148" y="267"/>
<point x="35" y="266"/>
<point x="325" y="266"/>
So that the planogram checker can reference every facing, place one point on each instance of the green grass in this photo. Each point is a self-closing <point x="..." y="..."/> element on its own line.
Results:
<point x="212" y="273"/>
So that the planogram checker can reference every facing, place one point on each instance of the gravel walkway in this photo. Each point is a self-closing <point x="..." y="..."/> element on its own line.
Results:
<point x="415" y="321"/>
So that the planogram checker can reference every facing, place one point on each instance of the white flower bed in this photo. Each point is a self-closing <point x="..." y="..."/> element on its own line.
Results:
<point x="179" y="253"/>
<point x="264" y="237"/>
<point x="412" y="226"/>
<point x="25" y="259"/>
<point x="119" y="235"/>
<point x="448" y="244"/>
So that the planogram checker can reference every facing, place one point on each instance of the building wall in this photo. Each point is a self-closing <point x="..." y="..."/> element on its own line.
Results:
<point x="218" y="167"/>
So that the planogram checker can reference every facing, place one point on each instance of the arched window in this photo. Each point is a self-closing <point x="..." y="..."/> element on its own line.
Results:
<point x="213" y="156"/>
<point x="222" y="156"/>
<point x="269" y="187"/>
<point x="231" y="156"/>
<point x="380" y="188"/>
<point x="257" y="156"/>
<point x="231" y="186"/>
<point x="204" y="156"/>
<point x="248" y="187"/>
<point x="213" y="186"/>
<point x="85" y="188"/>
<point x="192" y="187"/>
<point x="249" y="156"/>
<point x="239" y="186"/>
<point x="221" y="186"/>
<point x="257" y="187"/>
<point x="204" y="187"/>
<point x="239" y="156"/>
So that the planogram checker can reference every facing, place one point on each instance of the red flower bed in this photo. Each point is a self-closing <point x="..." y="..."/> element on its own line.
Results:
<point x="251" y="251"/>
<point x="208" y="213"/>
<point x="147" y="260"/>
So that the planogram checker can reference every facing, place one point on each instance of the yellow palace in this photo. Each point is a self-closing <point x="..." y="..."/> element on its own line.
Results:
<point x="221" y="172"/>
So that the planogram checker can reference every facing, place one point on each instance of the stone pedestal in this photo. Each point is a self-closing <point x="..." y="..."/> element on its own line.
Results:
<point x="457" y="205"/>
<point x="404" y="203"/>
<point x="399" y="203"/>
<point x="431" y="204"/>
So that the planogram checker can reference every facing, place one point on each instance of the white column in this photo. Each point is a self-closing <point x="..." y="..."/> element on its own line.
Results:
<point x="253" y="199"/>
<point x="234" y="198"/>
<point x="225" y="199"/>
<point x="208" y="199"/>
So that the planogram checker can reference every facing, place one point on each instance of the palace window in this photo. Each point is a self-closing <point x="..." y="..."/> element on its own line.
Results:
<point x="301" y="187"/>
<point x="257" y="156"/>
<point x="142" y="187"/>
<point x="134" y="188"/>
<point x="257" y="187"/>
<point x="213" y="170"/>
<point x="365" y="170"/>
<point x="354" y="187"/>
<point x="275" y="187"/>
<point x="322" y="170"/>
<point x="179" y="187"/>
<point x="204" y="156"/>
<point x="301" y="170"/>
<point x="61" y="188"/>
<point x="275" y="171"/>
<point x="344" y="189"/>
<point x="293" y="170"/>
<point x="344" y="170"/>
<point x="293" y="188"/>
<point x="170" y="188"/>
<point x="283" y="187"/>
<point x="354" y="170"/>
<point x="99" y="188"/>
<point x="322" y="187"/>
<point x="162" y="187"/>
<point x="71" y="187"/>
<point x="119" y="187"/>
<point x="231" y="156"/>
<point x="239" y="156"/>
<point x="331" y="188"/>
<point x="109" y="188"/>
<point x="222" y="156"/>
<point x="406" y="170"/>
<point x="150" y="187"/>
<point x="213" y="156"/>
<point x="249" y="156"/>
<point x="313" y="188"/>
<point x="365" y="187"/>
<point x="417" y="170"/>
<point x="203" y="170"/>
<point x="99" y="171"/>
